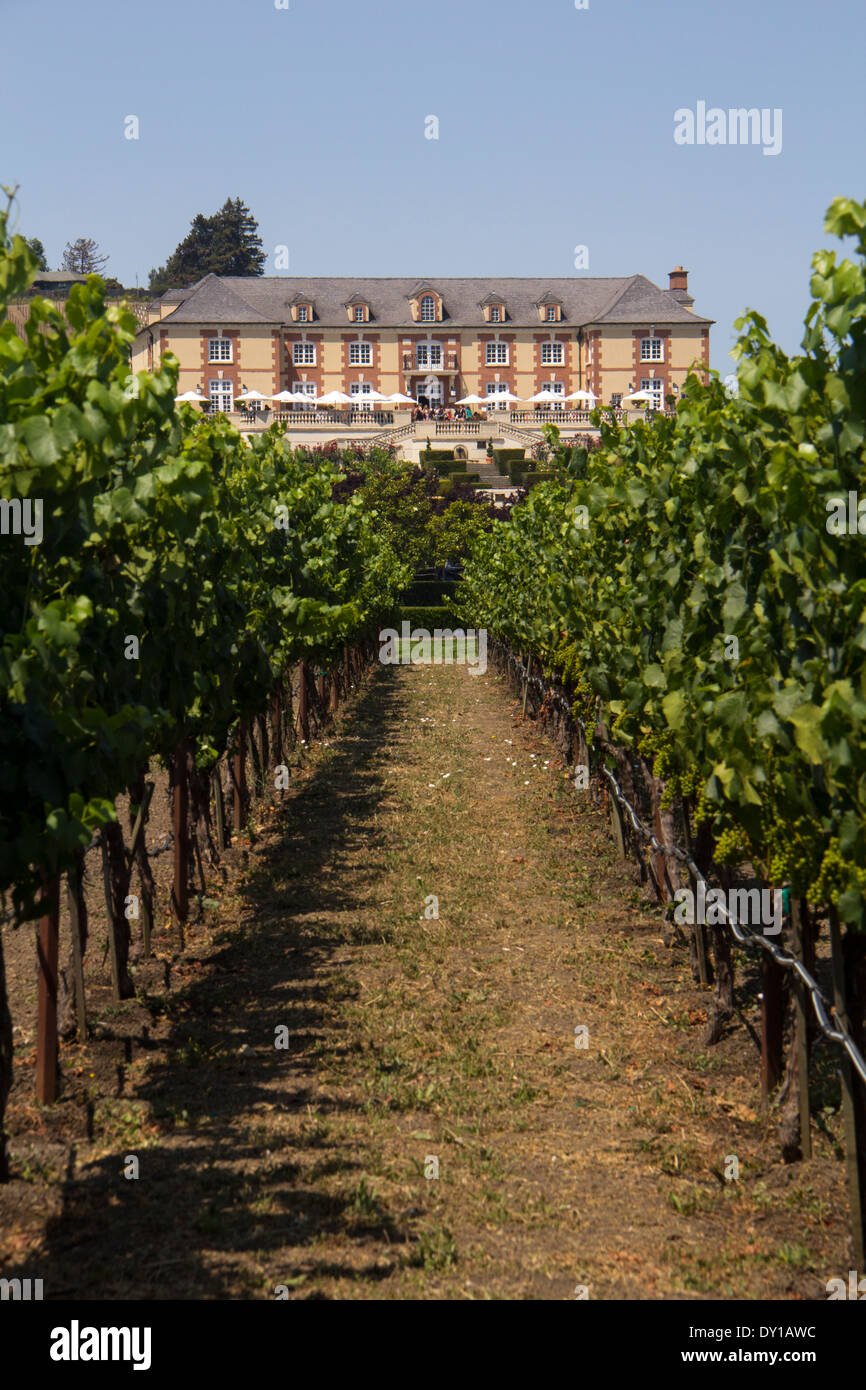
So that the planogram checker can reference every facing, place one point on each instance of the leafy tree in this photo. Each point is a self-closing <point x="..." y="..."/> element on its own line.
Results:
<point x="39" y="252"/>
<point x="453" y="534"/>
<point x="227" y="243"/>
<point x="82" y="257"/>
<point x="402" y="508"/>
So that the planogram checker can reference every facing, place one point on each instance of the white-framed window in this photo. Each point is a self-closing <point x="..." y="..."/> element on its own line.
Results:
<point x="304" y="354"/>
<point x="303" y="314"/>
<point x="220" y="393"/>
<point x="360" y="354"/>
<point x="428" y="354"/>
<point x="219" y="350"/>
<point x="557" y="389"/>
<point x="651" y="350"/>
<point x="655" y="385"/>
<point x="428" y="309"/>
<point x="305" y="388"/>
<point x="552" y="354"/>
<point x="496" y="355"/>
<point x="495" y="314"/>
<point x="359" y="313"/>
<point x="616" y="400"/>
<point x="358" y="390"/>
<point x="494" y="390"/>
<point x="551" y="313"/>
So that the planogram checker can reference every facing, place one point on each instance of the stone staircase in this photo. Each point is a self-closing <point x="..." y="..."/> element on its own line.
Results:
<point x="509" y="431"/>
<point x="393" y="435"/>
<point x="488" y="474"/>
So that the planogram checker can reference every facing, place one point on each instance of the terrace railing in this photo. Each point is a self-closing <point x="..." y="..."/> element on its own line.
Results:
<point x="457" y="428"/>
<point x="313" y="419"/>
<point x="558" y="417"/>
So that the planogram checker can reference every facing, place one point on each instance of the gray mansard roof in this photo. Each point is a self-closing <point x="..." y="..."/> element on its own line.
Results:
<point x="266" y="299"/>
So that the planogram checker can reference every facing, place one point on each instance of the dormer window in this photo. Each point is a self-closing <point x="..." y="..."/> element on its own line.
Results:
<point x="357" y="310"/>
<point x="428" y="309"/>
<point x="549" y="309"/>
<point x="303" y="314"/>
<point x="493" y="309"/>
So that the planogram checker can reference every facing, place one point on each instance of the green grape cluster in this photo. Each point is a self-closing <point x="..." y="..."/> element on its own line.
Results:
<point x="836" y="875"/>
<point x="703" y="809"/>
<point x="795" y="852"/>
<point x="585" y="702"/>
<point x="565" y="658"/>
<point x="681" y="784"/>
<point x="732" y="847"/>
<point x="679" y="781"/>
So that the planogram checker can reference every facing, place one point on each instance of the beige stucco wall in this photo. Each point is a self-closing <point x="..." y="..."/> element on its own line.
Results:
<point x="685" y="348"/>
<point x="254" y="364"/>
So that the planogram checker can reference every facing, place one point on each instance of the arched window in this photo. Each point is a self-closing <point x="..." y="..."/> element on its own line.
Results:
<point x="428" y="309"/>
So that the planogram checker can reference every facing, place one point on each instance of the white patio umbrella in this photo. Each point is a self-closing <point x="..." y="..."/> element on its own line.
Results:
<point x="191" y="396"/>
<point x="582" y="396"/>
<point x="471" y="400"/>
<point x="640" y="396"/>
<point x="334" y="398"/>
<point x="290" y="396"/>
<point x="546" y="397"/>
<point x="398" y="398"/>
<point x="503" y="398"/>
<point x="360" y="404"/>
<point x="251" y="396"/>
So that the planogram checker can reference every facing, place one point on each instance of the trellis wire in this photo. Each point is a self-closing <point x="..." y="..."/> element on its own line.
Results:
<point x="785" y="959"/>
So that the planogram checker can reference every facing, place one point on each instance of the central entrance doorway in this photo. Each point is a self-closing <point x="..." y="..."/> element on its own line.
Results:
<point x="430" y="392"/>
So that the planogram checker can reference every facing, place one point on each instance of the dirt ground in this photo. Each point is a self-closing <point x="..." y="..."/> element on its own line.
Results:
<point x="430" y="1129"/>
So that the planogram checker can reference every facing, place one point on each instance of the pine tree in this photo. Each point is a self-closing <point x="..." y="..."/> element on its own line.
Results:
<point x="237" y="248"/>
<point x="227" y="243"/>
<point x="82" y="257"/>
<point x="189" y="261"/>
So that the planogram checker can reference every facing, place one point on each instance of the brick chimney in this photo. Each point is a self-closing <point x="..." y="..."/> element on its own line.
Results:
<point x="679" y="286"/>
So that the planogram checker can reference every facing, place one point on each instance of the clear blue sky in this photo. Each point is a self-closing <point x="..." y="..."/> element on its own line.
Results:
<point x="556" y="129"/>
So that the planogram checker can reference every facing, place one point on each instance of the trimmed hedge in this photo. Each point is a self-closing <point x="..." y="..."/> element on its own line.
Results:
<point x="429" y="593"/>
<point x="438" y="456"/>
<point x="464" y="478"/>
<point x="513" y="462"/>
<point x="428" y="618"/>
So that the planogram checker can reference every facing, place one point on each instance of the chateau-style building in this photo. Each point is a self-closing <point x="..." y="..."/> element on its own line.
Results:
<point x="435" y="340"/>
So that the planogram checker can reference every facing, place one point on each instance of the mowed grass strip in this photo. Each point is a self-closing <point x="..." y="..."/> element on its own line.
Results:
<point x="476" y="1151"/>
